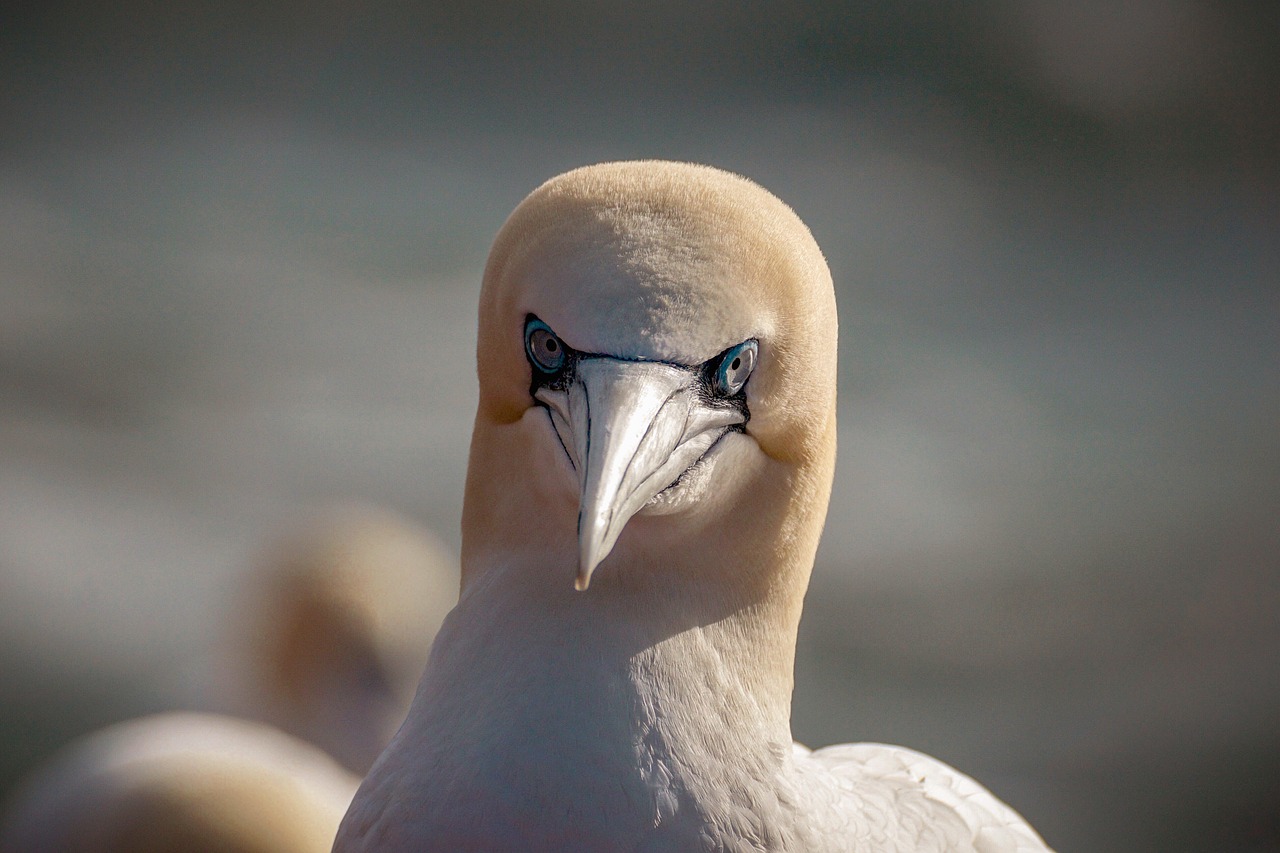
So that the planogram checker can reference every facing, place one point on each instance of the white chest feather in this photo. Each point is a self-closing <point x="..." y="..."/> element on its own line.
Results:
<point x="604" y="740"/>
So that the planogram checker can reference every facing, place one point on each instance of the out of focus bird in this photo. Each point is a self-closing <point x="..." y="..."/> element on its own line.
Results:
<point x="650" y="469"/>
<point x="181" y="783"/>
<point x="334" y="627"/>
<point x="329" y="640"/>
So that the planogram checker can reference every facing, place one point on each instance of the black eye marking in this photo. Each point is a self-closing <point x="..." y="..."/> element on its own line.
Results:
<point x="724" y="377"/>
<point x="727" y="373"/>
<point x="551" y="359"/>
<point x="721" y="380"/>
<point x="543" y="348"/>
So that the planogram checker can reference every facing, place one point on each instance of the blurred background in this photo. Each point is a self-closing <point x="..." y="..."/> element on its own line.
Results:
<point x="240" y="250"/>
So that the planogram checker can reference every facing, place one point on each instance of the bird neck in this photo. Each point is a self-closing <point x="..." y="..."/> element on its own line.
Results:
<point x="659" y="690"/>
<point x="694" y="652"/>
<point x="611" y="701"/>
<point x="717" y="586"/>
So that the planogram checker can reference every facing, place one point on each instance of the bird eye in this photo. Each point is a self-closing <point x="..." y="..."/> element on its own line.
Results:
<point x="734" y="369"/>
<point x="545" y="350"/>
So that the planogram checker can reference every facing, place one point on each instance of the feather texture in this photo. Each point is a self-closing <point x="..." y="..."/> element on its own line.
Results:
<point x="651" y="710"/>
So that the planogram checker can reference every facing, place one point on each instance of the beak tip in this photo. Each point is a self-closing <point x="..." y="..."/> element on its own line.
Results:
<point x="592" y="548"/>
<point x="586" y="568"/>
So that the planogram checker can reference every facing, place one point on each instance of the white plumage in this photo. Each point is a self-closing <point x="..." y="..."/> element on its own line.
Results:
<point x="657" y="355"/>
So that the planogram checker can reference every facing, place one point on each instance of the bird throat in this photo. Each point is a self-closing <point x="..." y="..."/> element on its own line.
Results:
<point x="603" y="704"/>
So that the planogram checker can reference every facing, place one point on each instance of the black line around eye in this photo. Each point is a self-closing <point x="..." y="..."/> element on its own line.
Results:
<point x="711" y="367"/>
<point x="559" y="379"/>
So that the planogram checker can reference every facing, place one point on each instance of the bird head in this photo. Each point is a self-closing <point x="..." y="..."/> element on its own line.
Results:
<point x="334" y="627"/>
<point x="656" y="350"/>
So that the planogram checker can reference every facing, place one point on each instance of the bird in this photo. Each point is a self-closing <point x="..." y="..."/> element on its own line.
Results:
<point x="181" y="782"/>
<point x="651" y="463"/>
<point x="329" y="634"/>
<point x="326" y="641"/>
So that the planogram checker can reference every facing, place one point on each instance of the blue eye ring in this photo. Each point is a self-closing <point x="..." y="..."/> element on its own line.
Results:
<point x="735" y="368"/>
<point x="544" y="348"/>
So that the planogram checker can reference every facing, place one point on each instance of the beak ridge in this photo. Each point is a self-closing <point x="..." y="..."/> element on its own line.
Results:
<point x="633" y="428"/>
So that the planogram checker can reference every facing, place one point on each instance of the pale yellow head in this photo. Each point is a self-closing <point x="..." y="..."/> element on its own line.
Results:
<point x="651" y="277"/>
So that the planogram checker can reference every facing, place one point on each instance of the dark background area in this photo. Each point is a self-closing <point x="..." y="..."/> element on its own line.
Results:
<point x="240" y="249"/>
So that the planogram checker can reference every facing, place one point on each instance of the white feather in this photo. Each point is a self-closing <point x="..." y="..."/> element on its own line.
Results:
<point x="651" y="711"/>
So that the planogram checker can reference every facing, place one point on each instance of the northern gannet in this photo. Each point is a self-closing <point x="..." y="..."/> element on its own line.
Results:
<point x="181" y="783"/>
<point x="334" y="629"/>
<point x="657" y="428"/>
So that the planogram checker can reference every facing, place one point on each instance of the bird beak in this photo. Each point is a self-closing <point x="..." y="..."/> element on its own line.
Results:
<point x="631" y="429"/>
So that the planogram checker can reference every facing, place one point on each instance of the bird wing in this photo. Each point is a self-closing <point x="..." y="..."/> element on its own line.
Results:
<point x="906" y="796"/>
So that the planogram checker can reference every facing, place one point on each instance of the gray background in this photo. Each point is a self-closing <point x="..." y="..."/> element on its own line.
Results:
<point x="240" y="250"/>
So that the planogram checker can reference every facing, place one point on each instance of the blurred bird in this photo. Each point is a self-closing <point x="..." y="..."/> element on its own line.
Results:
<point x="329" y="640"/>
<point x="181" y="783"/>
<point x="333" y="630"/>
<point x="656" y="427"/>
